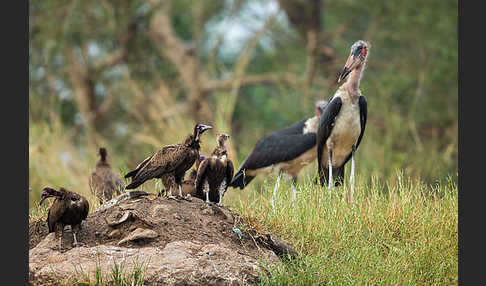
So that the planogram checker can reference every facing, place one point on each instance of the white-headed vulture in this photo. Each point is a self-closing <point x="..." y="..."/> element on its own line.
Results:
<point x="215" y="173"/>
<point x="342" y="125"/>
<point x="287" y="150"/>
<point x="69" y="208"/>
<point x="172" y="160"/>
<point x="103" y="182"/>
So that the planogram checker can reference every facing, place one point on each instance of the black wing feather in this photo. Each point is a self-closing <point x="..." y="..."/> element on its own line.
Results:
<point x="326" y="123"/>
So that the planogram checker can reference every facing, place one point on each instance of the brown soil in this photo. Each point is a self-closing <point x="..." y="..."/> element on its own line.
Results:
<point x="173" y="220"/>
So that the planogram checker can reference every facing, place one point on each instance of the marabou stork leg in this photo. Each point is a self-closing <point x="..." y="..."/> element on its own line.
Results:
<point x="351" y="179"/>
<point x="294" y="188"/>
<point x="277" y="185"/>
<point x="330" y="185"/>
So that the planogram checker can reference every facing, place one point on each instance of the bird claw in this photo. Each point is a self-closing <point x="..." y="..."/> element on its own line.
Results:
<point x="186" y="199"/>
<point x="77" y="244"/>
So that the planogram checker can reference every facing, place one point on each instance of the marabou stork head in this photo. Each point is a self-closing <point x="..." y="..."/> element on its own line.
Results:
<point x="357" y="56"/>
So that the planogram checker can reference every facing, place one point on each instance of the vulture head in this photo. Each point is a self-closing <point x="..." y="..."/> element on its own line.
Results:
<point x="49" y="192"/>
<point x="320" y="106"/>
<point x="102" y="154"/>
<point x="357" y="56"/>
<point x="199" y="129"/>
<point x="222" y="139"/>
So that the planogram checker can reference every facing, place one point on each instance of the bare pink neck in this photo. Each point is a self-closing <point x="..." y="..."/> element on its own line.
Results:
<point x="352" y="84"/>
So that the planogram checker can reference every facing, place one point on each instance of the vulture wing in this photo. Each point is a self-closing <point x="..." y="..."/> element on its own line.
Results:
<point x="140" y="166"/>
<point x="201" y="176"/>
<point x="164" y="161"/>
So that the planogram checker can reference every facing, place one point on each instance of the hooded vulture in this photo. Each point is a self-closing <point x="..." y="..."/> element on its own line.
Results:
<point x="188" y="184"/>
<point x="215" y="173"/>
<point x="172" y="161"/>
<point x="69" y="208"/>
<point x="104" y="183"/>
<point x="342" y="125"/>
<point x="287" y="150"/>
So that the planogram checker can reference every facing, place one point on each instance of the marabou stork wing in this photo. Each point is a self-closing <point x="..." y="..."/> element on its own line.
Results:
<point x="326" y="124"/>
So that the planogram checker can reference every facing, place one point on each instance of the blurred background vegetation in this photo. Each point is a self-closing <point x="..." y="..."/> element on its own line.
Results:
<point x="135" y="75"/>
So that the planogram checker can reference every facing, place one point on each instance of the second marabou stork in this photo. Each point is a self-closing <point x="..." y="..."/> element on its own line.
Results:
<point x="343" y="122"/>
<point x="287" y="150"/>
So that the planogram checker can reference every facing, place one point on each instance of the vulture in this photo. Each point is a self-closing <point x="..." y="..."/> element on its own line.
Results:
<point x="69" y="208"/>
<point x="215" y="173"/>
<point x="342" y="125"/>
<point x="287" y="150"/>
<point x="172" y="161"/>
<point x="188" y="184"/>
<point x="104" y="183"/>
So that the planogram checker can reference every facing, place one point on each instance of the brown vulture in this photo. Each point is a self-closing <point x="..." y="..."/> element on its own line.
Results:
<point x="172" y="161"/>
<point x="215" y="173"/>
<point x="104" y="183"/>
<point x="69" y="208"/>
<point x="188" y="184"/>
<point x="287" y="150"/>
<point x="342" y="125"/>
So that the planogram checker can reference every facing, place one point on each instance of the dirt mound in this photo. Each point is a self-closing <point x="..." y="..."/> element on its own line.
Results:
<point x="187" y="242"/>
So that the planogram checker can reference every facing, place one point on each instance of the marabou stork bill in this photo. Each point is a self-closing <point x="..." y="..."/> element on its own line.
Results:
<point x="287" y="150"/>
<point x="343" y="122"/>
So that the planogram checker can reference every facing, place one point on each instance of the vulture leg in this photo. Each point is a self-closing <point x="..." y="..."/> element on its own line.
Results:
<point x="221" y="192"/>
<point x="294" y="188"/>
<point x="59" y="231"/>
<point x="351" y="179"/>
<point x="75" y="230"/>
<point x="75" y="240"/>
<point x="277" y="185"/>
<point x="180" y="190"/>
<point x="206" y="190"/>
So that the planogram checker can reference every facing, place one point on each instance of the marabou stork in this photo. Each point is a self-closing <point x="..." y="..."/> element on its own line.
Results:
<point x="343" y="122"/>
<point x="287" y="150"/>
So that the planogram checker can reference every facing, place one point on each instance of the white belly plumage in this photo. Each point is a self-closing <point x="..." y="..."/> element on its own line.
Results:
<point x="345" y="133"/>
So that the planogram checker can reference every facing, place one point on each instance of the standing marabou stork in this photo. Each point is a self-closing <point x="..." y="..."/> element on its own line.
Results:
<point x="287" y="150"/>
<point x="342" y="124"/>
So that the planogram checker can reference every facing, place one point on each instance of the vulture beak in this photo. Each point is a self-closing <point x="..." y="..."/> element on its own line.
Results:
<point x="205" y="127"/>
<point x="354" y="60"/>
<point x="43" y="197"/>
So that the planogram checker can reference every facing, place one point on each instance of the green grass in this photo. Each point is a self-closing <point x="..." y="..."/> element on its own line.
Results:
<point x="117" y="276"/>
<point x="405" y="236"/>
<point x="398" y="231"/>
